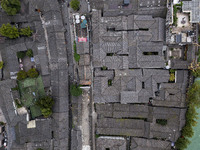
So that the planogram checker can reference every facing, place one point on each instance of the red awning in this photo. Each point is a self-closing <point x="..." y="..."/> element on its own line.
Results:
<point x="82" y="39"/>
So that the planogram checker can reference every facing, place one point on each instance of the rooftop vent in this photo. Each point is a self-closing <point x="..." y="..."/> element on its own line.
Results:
<point x="126" y="2"/>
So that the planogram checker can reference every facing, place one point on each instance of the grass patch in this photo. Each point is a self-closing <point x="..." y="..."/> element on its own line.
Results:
<point x="76" y="55"/>
<point x="35" y="111"/>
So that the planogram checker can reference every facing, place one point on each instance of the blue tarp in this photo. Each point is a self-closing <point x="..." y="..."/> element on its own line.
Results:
<point x="83" y="24"/>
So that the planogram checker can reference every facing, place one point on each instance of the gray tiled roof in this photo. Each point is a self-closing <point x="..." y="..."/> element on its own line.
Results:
<point x="42" y="132"/>
<point x="104" y="142"/>
<point x="121" y="42"/>
<point x="149" y="144"/>
<point x="128" y="127"/>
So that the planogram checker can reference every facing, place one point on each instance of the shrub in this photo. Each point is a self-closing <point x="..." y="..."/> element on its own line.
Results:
<point x="74" y="4"/>
<point x="75" y="90"/>
<point x="21" y="75"/>
<point x="1" y="64"/>
<point x="172" y="77"/>
<point x="76" y="57"/>
<point x="74" y="46"/>
<point x="15" y="88"/>
<point x="21" y="54"/>
<point x="26" y="31"/>
<point x="172" y="70"/>
<point x="11" y="7"/>
<point x="175" y="15"/>
<point x="29" y="53"/>
<point x="104" y="68"/>
<point x="9" y="31"/>
<point x="46" y="112"/>
<point x="162" y="122"/>
<point x="33" y="73"/>
<point x="195" y="68"/>
<point x="18" y="104"/>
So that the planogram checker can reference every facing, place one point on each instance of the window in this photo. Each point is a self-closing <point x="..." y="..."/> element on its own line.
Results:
<point x="110" y="29"/>
<point x="143" y="85"/>
<point x="109" y="54"/>
<point x="143" y="29"/>
<point x="162" y="122"/>
<point x="158" y="86"/>
<point x="109" y="82"/>
<point x="150" y="53"/>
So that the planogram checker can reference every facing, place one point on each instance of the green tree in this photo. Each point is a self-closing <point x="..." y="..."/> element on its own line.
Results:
<point x="21" y="75"/>
<point x="9" y="31"/>
<point x="26" y="31"/>
<point x="21" y="54"/>
<point x="32" y="73"/>
<point x="75" y="90"/>
<point x="191" y="115"/>
<point x="75" y="4"/>
<point x="187" y="130"/>
<point x="193" y="95"/>
<point x="29" y="53"/>
<point x="182" y="143"/>
<point x="1" y="64"/>
<point x="11" y="7"/>
<point x="45" y="104"/>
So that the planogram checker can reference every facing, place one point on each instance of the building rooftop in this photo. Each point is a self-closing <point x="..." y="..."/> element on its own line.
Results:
<point x="192" y="7"/>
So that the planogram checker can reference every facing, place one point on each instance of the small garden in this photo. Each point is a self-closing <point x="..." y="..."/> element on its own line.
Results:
<point x="76" y="55"/>
<point x="32" y="94"/>
<point x="31" y="88"/>
<point x="172" y="76"/>
<point x="175" y="10"/>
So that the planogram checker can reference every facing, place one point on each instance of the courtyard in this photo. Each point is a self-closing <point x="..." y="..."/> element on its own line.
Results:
<point x="31" y="89"/>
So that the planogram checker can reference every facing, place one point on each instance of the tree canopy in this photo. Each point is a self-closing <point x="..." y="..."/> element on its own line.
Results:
<point x="26" y="31"/>
<point x="74" y="4"/>
<point x="1" y="64"/>
<point x="32" y="73"/>
<point x="75" y="90"/>
<point x="29" y="53"/>
<point x="21" y="54"/>
<point x="45" y="104"/>
<point x="21" y="75"/>
<point x="9" y="31"/>
<point x="11" y="7"/>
